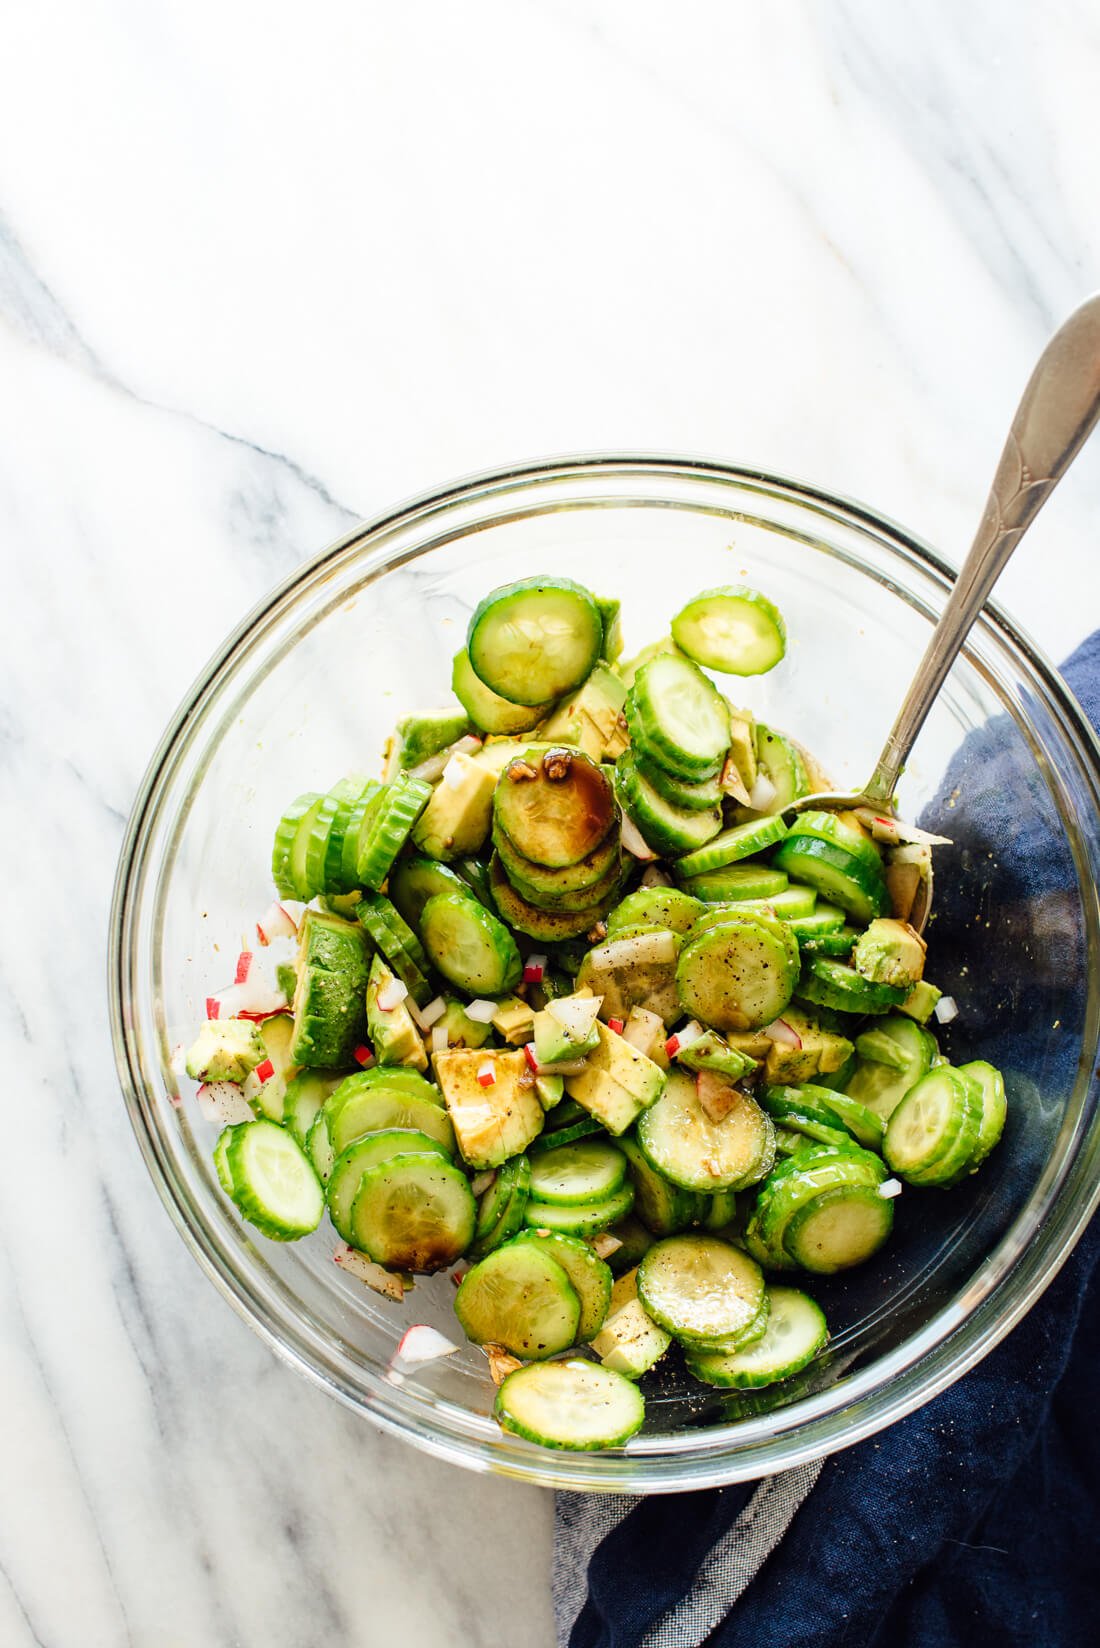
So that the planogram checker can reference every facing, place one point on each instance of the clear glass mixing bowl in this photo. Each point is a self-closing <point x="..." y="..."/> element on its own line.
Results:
<point x="309" y="687"/>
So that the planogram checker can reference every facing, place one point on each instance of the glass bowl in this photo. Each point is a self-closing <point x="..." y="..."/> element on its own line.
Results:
<point x="309" y="687"/>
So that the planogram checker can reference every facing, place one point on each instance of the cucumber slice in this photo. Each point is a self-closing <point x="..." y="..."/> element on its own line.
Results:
<point x="655" y="907"/>
<point x="799" y="1180"/>
<point x="396" y="1077"/>
<point x="319" y="824"/>
<point x="500" y="1208"/>
<point x="398" y="943"/>
<point x="700" y="1287"/>
<point x="589" y="1276"/>
<point x="634" y="1241"/>
<point x="680" y="717"/>
<point x="319" y="1148"/>
<point x="548" y="925"/>
<point x="586" y="1220"/>
<point x="932" y="1135"/>
<point x="385" y="827"/>
<point x="838" y="832"/>
<point x="795" y="1334"/>
<point x="667" y="829"/>
<point x="582" y="1128"/>
<point x="803" y="1120"/>
<point x="692" y="798"/>
<point x="576" y="1405"/>
<point x="475" y="873"/>
<point x="487" y="709"/>
<point x="865" y="1125"/>
<point x="612" y="627"/>
<point x="573" y="887"/>
<point x="221" y="1159"/>
<point x="994" y="1107"/>
<point x="286" y="834"/>
<point x="557" y="809"/>
<point x="413" y="1213"/>
<point x="663" y="1207"/>
<point x="534" y="640"/>
<point x="738" y="975"/>
<point x="305" y="1095"/>
<point x="416" y="879"/>
<point x="733" y="882"/>
<point x="835" y="984"/>
<point x="366" y="1153"/>
<point x="681" y="1142"/>
<point x="742" y="841"/>
<point x="840" y="1228"/>
<point x="721" y="1210"/>
<point x="792" y="905"/>
<point x="272" y="1180"/>
<point x="351" y="1116"/>
<point x="881" y="1086"/>
<point x="521" y="1298"/>
<point x="733" y="629"/>
<point x="825" y="920"/>
<point x="577" y="1174"/>
<point x="780" y="761"/>
<point x="842" y="877"/>
<point x="837" y="944"/>
<point x="469" y="946"/>
<point x="354" y="795"/>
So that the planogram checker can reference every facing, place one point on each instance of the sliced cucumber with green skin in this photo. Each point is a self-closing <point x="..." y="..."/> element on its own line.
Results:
<point x="656" y="907"/>
<point x="667" y="829"/>
<point x="840" y="876"/>
<point x="804" y="1176"/>
<point x="391" y="1076"/>
<point x="693" y="798"/>
<point x="416" y="879"/>
<point x="835" y="984"/>
<point x="286" y="834"/>
<point x="357" y="829"/>
<point x="612" y="645"/>
<point x="486" y="709"/>
<point x="790" y="906"/>
<point x="663" y="1207"/>
<point x="994" y="1107"/>
<point x="322" y="822"/>
<point x="721" y="1210"/>
<point x="548" y="925"/>
<point x="742" y="841"/>
<point x="681" y="1142"/>
<point x="836" y="945"/>
<point x="824" y="921"/>
<point x="305" y="1095"/>
<point x="500" y="1207"/>
<point x="475" y="873"/>
<point x="469" y="946"/>
<point x="272" y="1180"/>
<point x="733" y="882"/>
<point x="865" y="1125"/>
<point x="371" y="1109"/>
<point x="733" y="629"/>
<point x="221" y="1160"/>
<point x="802" y="1118"/>
<point x="700" y="1287"/>
<point x="582" y="1128"/>
<point x="386" y="826"/>
<point x="590" y="1277"/>
<point x="319" y="1147"/>
<point x="780" y="761"/>
<point x="368" y="1152"/>
<point x="412" y="1213"/>
<point x="835" y="830"/>
<point x="680" y="717"/>
<point x="578" y="1405"/>
<point x="734" y="1341"/>
<point x="556" y="809"/>
<point x="576" y="888"/>
<point x="932" y="1135"/>
<point x="578" y="1174"/>
<point x="795" y="1334"/>
<point x="881" y="1086"/>
<point x="354" y="794"/>
<point x="738" y="975"/>
<point x="534" y="640"/>
<point x="521" y="1298"/>
<point x="840" y="1228"/>
<point x="399" y="945"/>
<point x="586" y="1220"/>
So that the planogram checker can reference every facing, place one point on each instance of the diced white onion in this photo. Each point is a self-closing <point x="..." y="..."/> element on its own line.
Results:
<point x="889" y="1188"/>
<point x="762" y="793"/>
<point x="634" y="841"/>
<point x="454" y="774"/>
<point x="276" y="922"/>
<point x="946" y="1009"/>
<point x="391" y="995"/>
<point x="358" y="1265"/>
<point x="480" y="1183"/>
<point x="439" y="1039"/>
<point x="434" y="1010"/>
<point x="422" y="1344"/>
<point x="604" y="1245"/>
<point x="481" y="1010"/>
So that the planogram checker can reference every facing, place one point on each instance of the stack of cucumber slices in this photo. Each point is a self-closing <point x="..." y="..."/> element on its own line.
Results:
<point x="572" y="1009"/>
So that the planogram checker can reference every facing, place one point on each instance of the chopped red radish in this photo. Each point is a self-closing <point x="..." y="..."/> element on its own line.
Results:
<point x="439" y="1039"/>
<point x="213" y="1007"/>
<point x="531" y="1057"/>
<point x="716" y="1094"/>
<point x="480" y="1182"/>
<point x="481" y="1010"/>
<point x="618" y="1025"/>
<point x="264" y="1071"/>
<point x="363" y="1055"/>
<point x="672" y="1046"/>
<point x="244" y="967"/>
<point x="358" y="1265"/>
<point x="533" y="969"/>
<point x="946" y="1009"/>
<point x="391" y="995"/>
<point x="891" y="831"/>
<point x="434" y="1010"/>
<point x="762" y="794"/>
<point x="276" y="922"/>
<point x="604" y="1245"/>
<point x="635" y="842"/>
<point x="486" y="1074"/>
<point x="223" y="1102"/>
<point x="422" y="1344"/>
<point x="889" y="1188"/>
<point x="784" y="1034"/>
<point x="255" y="999"/>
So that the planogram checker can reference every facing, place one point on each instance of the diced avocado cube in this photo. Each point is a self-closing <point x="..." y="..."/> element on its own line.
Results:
<point x="630" y="1342"/>
<point x="822" y="1051"/>
<point x="603" y="1098"/>
<point x="646" y="1031"/>
<point x="330" y="1020"/>
<point x="513" y="1020"/>
<point x="710" y="1051"/>
<point x="592" y="717"/>
<point x="920" y="1003"/>
<point x="462" y="1030"/>
<point x="890" y="952"/>
<point x="550" y="1089"/>
<point x="286" y="977"/>
<point x="618" y="1084"/>
<point x="880" y="1048"/>
<point x="753" y="1042"/>
<point x="225" y="1050"/>
<point x="393" y="1032"/>
<point x="420" y="736"/>
<point x="268" y="1098"/>
<point x="556" y="1039"/>
<point x="494" y="1121"/>
<point x="635" y="972"/>
<point x="459" y="814"/>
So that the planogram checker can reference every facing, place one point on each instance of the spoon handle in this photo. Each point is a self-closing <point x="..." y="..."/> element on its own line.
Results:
<point x="1055" y="417"/>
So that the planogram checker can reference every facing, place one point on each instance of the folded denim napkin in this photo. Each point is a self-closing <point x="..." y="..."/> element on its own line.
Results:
<point x="975" y="1519"/>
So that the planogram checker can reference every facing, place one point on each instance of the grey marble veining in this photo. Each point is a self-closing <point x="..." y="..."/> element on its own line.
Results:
<point x="262" y="275"/>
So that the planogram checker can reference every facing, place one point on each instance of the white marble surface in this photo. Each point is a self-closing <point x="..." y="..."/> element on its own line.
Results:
<point x="267" y="269"/>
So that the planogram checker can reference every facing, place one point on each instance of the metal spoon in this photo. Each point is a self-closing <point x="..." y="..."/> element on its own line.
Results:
<point x="1056" y="414"/>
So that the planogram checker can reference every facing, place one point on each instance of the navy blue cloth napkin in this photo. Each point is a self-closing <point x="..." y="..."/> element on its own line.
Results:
<point x="973" y="1521"/>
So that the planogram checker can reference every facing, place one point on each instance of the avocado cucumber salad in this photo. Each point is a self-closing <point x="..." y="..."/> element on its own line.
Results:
<point x="561" y="1004"/>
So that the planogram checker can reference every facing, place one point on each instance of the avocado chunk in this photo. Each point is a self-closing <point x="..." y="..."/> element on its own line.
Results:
<point x="419" y="736"/>
<point x="268" y="1098"/>
<point x="592" y="717"/>
<point x="514" y="1020"/>
<point x="550" y="1089"/>
<point x="710" y="1051"/>
<point x="822" y="1051"/>
<point x="329" y="1017"/>
<point x="618" y="1084"/>
<point x="458" y="816"/>
<point x="630" y="1342"/>
<point x="225" y="1050"/>
<point x="890" y="952"/>
<point x="462" y="1030"/>
<point x="921" y="1001"/>
<point x="495" y="1121"/>
<point x="635" y="972"/>
<point x="646" y="1031"/>
<point x="393" y="1033"/>
<point x="567" y="1028"/>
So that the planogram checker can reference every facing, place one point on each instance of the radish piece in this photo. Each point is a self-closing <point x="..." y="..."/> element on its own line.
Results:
<point x="635" y="842"/>
<point x="889" y="1188"/>
<point x="618" y="1025"/>
<point x="439" y="1039"/>
<point x="391" y="995"/>
<point x="422" y="1344"/>
<point x="223" y="1102"/>
<point x="533" y="969"/>
<point x="946" y="1009"/>
<point x="762" y="794"/>
<point x="264" y="1072"/>
<point x="254" y="1000"/>
<point x="575" y="1014"/>
<point x="434" y="1010"/>
<point x="895" y="830"/>
<point x="213" y="1007"/>
<point x="276" y="922"/>
<point x="486" y="1074"/>
<point x="531" y="1057"/>
<point x="689" y="1032"/>
<point x="244" y="967"/>
<point x="480" y="1183"/>
<point x="604" y="1245"/>
<point x="363" y="1055"/>
<point x="481" y="1010"/>
<point x="415" y="1014"/>
<point x="717" y="1095"/>
<point x="358" y="1265"/>
<point x="783" y="1033"/>
<point x="672" y="1046"/>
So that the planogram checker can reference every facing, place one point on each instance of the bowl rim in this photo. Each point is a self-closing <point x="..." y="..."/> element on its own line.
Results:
<point x="711" y="1460"/>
